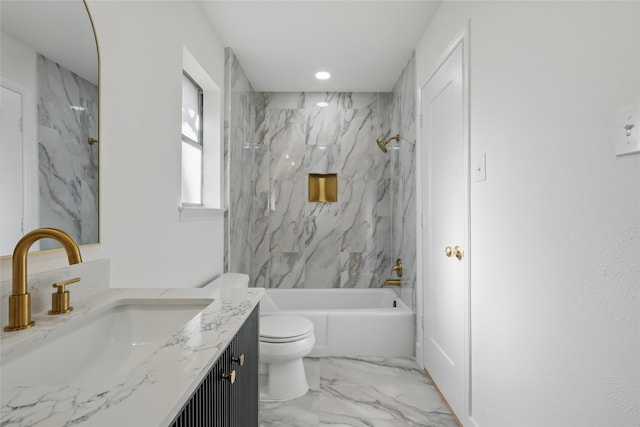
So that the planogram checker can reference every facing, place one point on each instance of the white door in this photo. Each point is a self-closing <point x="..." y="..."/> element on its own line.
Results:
<point x="444" y="206"/>
<point x="11" y="172"/>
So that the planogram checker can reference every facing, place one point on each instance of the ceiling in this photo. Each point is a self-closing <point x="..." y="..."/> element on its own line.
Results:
<point x="281" y="44"/>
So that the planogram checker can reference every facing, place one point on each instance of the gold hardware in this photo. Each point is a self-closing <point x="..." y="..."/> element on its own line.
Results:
<point x="238" y="359"/>
<point x="458" y="251"/>
<point x="392" y="282"/>
<point x="92" y="141"/>
<point x="60" y="299"/>
<point x="20" y="299"/>
<point x="383" y="144"/>
<point x="323" y="187"/>
<point x="231" y="377"/>
<point x="397" y="268"/>
<point x="448" y="251"/>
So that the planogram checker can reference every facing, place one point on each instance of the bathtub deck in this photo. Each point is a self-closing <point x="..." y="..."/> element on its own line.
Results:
<point x="363" y="391"/>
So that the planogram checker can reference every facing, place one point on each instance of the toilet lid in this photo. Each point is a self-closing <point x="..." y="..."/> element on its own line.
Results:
<point x="283" y="328"/>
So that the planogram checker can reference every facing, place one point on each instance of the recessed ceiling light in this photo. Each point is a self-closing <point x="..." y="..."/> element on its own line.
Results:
<point x="323" y="75"/>
<point x="322" y="104"/>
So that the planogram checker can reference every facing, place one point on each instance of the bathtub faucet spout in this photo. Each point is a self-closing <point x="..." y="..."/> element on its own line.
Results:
<point x="392" y="282"/>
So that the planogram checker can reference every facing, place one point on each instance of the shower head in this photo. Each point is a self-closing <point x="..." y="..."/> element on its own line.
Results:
<point x="383" y="144"/>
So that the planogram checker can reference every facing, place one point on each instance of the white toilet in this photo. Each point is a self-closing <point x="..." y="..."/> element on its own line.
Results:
<point x="284" y="341"/>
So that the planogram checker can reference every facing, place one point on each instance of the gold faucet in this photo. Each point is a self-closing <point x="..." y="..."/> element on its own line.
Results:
<point x="392" y="282"/>
<point x="20" y="299"/>
<point x="397" y="268"/>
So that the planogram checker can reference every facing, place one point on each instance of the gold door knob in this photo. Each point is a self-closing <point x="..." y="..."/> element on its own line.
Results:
<point x="458" y="252"/>
<point x="448" y="251"/>
<point x="231" y="377"/>
<point x="238" y="359"/>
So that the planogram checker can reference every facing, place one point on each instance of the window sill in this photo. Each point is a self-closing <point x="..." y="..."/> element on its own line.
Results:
<point x="197" y="213"/>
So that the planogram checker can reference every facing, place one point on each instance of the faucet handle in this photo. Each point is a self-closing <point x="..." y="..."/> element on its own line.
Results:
<point x="61" y="285"/>
<point x="60" y="299"/>
<point x="397" y="267"/>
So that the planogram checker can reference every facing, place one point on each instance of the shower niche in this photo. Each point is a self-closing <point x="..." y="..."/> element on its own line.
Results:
<point x="323" y="187"/>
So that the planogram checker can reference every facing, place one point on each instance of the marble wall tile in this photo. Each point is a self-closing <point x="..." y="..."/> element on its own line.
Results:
<point x="383" y="188"/>
<point x="383" y="260"/>
<point x="322" y="159"/>
<point x="240" y="246"/>
<point x="285" y="100"/>
<point x="260" y="245"/>
<point x="356" y="270"/>
<point x="287" y="270"/>
<point x="357" y="215"/>
<point x="285" y="139"/>
<point x="240" y="162"/>
<point x="403" y="188"/>
<point x="286" y="219"/>
<point x="326" y="126"/>
<point x="360" y="155"/>
<point x="322" y="248"/>
<point x="261" y="180"/>
<point x="68" y="165"/>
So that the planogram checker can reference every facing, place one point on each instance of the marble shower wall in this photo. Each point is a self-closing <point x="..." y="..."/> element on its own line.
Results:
<point x="300" y="244"/>
<point x="403" y="180"/>
<point x="274" y="140"/>
<point x="241" y="106"/>
<point x="68" y="165"/>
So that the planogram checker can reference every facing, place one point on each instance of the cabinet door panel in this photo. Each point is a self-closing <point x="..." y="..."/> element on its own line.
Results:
<point x="245" y="392"/>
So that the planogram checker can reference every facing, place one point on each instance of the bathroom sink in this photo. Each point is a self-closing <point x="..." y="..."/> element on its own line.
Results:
<point x="104" y="343"/>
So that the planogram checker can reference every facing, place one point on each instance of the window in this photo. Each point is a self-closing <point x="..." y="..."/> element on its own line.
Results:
<point x="202" y="150"/>
<point x="192" y="142"/>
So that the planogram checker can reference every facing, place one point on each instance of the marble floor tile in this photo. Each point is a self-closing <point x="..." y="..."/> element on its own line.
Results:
<point x="371" y="370"/>
<point x="363" y="391"/>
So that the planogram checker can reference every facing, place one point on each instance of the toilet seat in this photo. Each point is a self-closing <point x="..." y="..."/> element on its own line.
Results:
<point x="284" y="328"/>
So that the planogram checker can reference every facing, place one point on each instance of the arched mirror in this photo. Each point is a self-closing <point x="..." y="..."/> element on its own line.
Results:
<point x="49" y="143"/>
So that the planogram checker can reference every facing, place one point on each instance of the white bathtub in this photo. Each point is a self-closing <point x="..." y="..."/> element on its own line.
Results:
<point x="349" y="322"/>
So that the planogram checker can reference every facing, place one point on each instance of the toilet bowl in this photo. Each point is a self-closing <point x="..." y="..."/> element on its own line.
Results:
<point x="284" y="341"/>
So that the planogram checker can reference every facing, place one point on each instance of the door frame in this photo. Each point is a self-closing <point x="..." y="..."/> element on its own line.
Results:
<point x="30" y="192"/>
<point x="462" y="38"/>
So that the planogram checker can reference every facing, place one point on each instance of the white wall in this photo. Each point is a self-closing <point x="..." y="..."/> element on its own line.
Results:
<point x="555" y="256"/>
<point x="141" y="46"/>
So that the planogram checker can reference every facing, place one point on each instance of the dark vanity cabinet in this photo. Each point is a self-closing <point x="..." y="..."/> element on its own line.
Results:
<point x="229" y="394"/>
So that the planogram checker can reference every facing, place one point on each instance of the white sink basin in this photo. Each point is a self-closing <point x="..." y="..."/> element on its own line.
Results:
<point x="107" y="342"/>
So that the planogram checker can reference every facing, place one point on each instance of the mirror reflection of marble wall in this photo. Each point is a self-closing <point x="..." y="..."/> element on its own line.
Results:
<point x="67" y="163"/>
<point x="49" y="171"/>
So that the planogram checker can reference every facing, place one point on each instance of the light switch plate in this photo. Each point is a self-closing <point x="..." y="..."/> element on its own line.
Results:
<point x="627" y="130"/>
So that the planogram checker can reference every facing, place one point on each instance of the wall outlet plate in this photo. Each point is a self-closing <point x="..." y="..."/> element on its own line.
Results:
<point x="627" y="130"/>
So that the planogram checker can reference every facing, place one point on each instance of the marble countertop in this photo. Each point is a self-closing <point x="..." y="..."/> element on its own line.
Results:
<point x="157" y="389"/>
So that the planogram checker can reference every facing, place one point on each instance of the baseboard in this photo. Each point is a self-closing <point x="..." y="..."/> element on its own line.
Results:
<point x="442" y="397"/>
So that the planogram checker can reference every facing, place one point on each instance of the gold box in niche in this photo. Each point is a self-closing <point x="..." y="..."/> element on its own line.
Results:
<point x="323" y="187"/>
